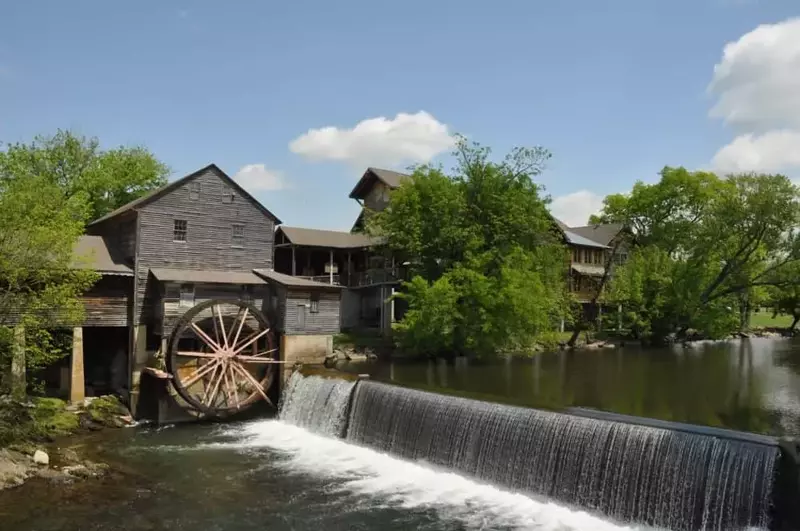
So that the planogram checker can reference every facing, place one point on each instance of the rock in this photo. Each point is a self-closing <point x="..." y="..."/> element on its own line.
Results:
<point x="14" y="469"/>
<point x="40" y="457"/>
<point x="68" y="455"/>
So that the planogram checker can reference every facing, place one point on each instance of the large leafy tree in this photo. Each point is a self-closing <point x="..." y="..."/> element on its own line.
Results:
<point x="722" y="240"/>
<point x="49" y="190"/>
<point x="107" y="179"/>
<point x="487" y="267"/>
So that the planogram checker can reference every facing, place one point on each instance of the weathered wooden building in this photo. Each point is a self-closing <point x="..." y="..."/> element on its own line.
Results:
<point x="348" y="259"/>
<point x="200" y="238"/>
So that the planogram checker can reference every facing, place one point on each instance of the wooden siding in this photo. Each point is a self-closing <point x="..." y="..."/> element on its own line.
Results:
<point x="325" y="321"/>
<point x="120" y="237"/>
<point x="378" y="196"/>
<point x="169" y="310"/>
<point x="209" y="244"/>
<point x="108" y="302"/>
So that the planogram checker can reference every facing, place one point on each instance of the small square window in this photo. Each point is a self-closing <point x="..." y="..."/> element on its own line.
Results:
<point x="187" y="295"/>
<point x="314" y="303"/>
<point x="237" y="234"/>
<point x="179" y="230"/>
<point x="194" y="190"/>
<point x="227" y="194"/>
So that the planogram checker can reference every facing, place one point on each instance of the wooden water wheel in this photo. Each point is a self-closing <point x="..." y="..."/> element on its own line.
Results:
<point x="222" y="357"/>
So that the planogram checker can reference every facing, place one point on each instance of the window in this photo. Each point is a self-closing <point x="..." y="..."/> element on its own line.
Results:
<point x="315" y="303"/>
<point x="194" y="190"/>
<point x="179" y="230"/>
<point x="237" y="234"/>
<point x="187" y="295"/>
<point x="227" y="194"/>
<point x="247" y="293"/>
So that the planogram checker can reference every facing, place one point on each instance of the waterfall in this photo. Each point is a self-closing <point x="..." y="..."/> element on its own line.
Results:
<point x="315" y="403"/>
<point x="653" y="476"/>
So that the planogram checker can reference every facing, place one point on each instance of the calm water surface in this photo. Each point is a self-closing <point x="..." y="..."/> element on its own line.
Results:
<point x="751" y="385"/>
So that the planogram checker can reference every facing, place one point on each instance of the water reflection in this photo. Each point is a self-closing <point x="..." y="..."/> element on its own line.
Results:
<point x="751" y="385"/>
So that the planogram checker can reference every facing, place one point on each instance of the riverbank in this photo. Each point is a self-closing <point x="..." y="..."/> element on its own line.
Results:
<point x="38" y="438"/>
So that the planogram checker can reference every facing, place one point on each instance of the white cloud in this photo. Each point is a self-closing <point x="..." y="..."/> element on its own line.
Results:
<point x="381" y="141"/>
<point x="770" y="152"/>
<point x="757" y="82"/>
<point x="757" y="86"/>
<point x="257" y="178"/>
<point x="574" y="209"/>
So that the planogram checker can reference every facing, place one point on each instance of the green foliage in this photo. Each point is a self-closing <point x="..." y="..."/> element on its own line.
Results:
<point x="486" y="268"/>
<point x="101" y="181"/>
<point x="49" y="190"/>
<point x="707" y="249"/>
<point x="39" y="420"/>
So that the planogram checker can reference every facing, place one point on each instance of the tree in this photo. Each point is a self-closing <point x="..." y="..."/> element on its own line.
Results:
<point x="40" y="285"/>
<point x="50" y="189"/>
<point x="724" y="238"/>
<point x="487" y="269"/>
<point x="76" y="165"/>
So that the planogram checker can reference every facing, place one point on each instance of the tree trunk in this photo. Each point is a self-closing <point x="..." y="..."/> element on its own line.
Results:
<point x="796" y="318"/>
<point x="19" y="383"/>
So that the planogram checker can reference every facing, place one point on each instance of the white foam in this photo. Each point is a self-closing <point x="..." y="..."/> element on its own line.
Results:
<point x="397" y="483"/>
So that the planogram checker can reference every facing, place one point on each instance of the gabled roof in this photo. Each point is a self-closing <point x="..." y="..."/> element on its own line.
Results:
<point x="91" y="252"/>
<point x="325" y="238"/>
<point x="390" y="178"/>
<point x="155" y="194"/>
<point x="604" y="233"/>
<point x="294" y="282"/>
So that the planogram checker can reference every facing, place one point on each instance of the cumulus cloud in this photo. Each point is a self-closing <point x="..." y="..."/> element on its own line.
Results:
<point x="770" y="152"/>
<point x="574" y="209"/>
<point x="757" y="90"/>
<point x="257" y="178"/>
<point x="381" y="141"/>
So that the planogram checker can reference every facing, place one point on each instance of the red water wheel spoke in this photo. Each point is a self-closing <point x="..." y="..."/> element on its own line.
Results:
<point x="211" y="368"/>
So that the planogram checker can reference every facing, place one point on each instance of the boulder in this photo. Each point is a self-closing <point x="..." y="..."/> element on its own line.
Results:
<point x="41" y="458"/>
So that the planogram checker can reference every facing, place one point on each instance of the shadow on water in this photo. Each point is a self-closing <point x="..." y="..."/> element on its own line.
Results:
<point x="751" y="385"/>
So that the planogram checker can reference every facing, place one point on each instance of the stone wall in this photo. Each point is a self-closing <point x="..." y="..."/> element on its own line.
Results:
<point x="306" y="349"/>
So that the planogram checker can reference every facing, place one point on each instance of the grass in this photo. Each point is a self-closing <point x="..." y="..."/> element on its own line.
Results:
<point x="764" y="319"/>
<point x="358" y="340"/>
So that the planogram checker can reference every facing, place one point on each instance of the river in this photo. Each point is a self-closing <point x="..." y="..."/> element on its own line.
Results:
<point x="751" y="385"/>
<point x="274" y="474"/>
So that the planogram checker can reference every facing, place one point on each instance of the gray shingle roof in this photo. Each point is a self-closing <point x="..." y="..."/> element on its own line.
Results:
<point x="326" y="238"/>
<point x="212" y="277"/>
<point x="294" y="282"/>
<point x="392" y="179"/>
<point x="589" y="269"/>
<point x="577" y="239"/>
<point x="91" y="252"/>
<point x="603" y="234"/>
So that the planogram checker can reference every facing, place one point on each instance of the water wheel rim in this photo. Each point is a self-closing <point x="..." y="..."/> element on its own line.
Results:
<point x="223" y="365"/>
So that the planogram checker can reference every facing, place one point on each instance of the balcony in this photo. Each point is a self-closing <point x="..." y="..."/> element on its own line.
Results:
<point x="359" y="279"/>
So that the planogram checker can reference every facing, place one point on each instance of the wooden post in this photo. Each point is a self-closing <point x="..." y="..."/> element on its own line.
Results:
<point x="349" y="269"/>
<point x="600" y="317"/>
<point x="19" y="382"/>
<point x="330" y="269"/>
<point x="77" y="391"/>
<point x="294" y="263"/>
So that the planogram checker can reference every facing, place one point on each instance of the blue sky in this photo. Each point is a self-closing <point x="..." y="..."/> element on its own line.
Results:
<point x="615" y="89"/>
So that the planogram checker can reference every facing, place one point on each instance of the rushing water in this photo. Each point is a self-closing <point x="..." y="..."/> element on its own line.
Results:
<point x="412" y="460"/>
<point x="751" y="385"/>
